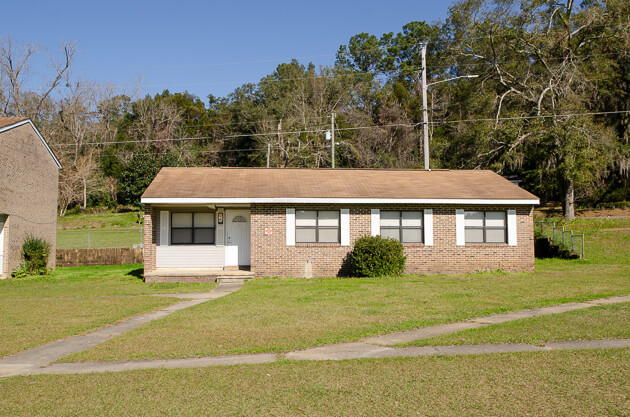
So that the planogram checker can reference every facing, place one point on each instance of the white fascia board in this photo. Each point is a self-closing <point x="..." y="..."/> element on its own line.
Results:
<point x="28" y="121"/>
<point x="183" y="201"/>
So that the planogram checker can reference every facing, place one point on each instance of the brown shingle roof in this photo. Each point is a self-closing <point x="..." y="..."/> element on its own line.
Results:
<point x="6" y="121"/>
<point x="332" y="183"/>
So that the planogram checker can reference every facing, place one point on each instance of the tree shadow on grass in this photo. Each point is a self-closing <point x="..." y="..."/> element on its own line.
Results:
<point x="138" y="273"/>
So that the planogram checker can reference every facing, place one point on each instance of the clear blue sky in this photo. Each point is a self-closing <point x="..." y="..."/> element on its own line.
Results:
<point x="204" y="47"/>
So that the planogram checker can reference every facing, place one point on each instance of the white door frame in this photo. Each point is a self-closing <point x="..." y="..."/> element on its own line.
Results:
<point x="234" y="256"/>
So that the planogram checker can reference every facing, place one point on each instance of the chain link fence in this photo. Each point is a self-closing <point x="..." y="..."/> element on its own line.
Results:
<point x="559" y="236"/>
<point x="99" y="239"/>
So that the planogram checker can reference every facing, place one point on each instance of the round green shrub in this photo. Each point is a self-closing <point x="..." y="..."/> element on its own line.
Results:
<point x="35" y="252"/>
<point x="374" y="256"/>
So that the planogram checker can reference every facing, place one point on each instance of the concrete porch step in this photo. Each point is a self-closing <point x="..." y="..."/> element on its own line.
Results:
<point x="198" y="275"/>
<point x="234" y="279"/>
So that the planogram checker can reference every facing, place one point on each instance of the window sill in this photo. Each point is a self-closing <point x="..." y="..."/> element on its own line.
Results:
<point x="486" y="244"/>
<point x="413" y="245"/>
<point x="317" y="245"/>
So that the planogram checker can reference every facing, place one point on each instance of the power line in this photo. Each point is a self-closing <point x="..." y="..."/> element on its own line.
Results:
<point x="541" y="116"/>
<point x="322" y="130"/>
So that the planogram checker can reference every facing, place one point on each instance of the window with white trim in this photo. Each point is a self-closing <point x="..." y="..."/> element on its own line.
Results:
<point x="485" y="226"/>
<point x="192" y="228"/>
<point x="404" y="226"/>
<point x="317" y="226"/>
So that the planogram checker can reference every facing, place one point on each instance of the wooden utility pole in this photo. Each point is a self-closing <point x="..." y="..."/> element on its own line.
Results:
<point x="332" y="138"/>
<point x="425" y="125"/>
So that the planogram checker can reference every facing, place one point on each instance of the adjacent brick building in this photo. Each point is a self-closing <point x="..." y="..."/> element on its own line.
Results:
<point x="303" y="222"/>
<point x="29" y="173"/>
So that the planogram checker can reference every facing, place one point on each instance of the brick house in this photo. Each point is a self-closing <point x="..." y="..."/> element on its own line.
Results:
<point x="29" y="175"/>
<point x="286" y="222"/>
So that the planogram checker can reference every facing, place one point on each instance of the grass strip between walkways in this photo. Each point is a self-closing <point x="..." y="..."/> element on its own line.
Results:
<point x="600" y="322"/>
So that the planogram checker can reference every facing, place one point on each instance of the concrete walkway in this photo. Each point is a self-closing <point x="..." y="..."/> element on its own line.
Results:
<point x="35" y="361"/>
<point x="409" y="336"/>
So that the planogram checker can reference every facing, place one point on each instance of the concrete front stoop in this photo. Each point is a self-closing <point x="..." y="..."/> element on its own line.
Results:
<point x="198" y="275"/>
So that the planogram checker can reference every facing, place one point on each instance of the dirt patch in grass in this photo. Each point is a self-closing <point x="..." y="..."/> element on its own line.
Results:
<point x="562" y="383"/>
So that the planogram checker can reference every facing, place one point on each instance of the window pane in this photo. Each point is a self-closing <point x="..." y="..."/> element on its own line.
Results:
<point x="474" y="235"/>
<point x="495" y="218"/>
<point x="204" y="219"/>
<point x="204" y="235"/>
<point x="473" y="219"/>
<point x="182" y="220"/>
<point x="305" y="218"/>
<point x="391" y="233"/>
<point x="328" y="235"/>
<point x="181" y="236"/>
<point x="329" y="218"/>
<point x="390" y="218"/>
<point x="495" y="235"/>
<point x="412" y="235"/>
<point x="411" y="218"/>
<point x="305" y="235"/>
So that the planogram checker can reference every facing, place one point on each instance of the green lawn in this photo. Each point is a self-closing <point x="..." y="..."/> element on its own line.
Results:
<point x="286" y="314"/>
<point x="26" y="324"/>
<point x="603" y="322"/>
<point x="106" y="230"/>
<point x="561" y="383"/>
<point x="92" y="281"/>
<point x="98" y="238"/>
<point x="27" y="321"/>
<point x="106" y="220"/>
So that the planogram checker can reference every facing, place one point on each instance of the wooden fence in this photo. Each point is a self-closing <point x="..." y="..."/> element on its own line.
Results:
<point x="91" y="257"/>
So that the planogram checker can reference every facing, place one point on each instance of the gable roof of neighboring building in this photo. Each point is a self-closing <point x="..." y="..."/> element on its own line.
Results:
<point x="298" y="185"/>
<point x="8" y="123"/>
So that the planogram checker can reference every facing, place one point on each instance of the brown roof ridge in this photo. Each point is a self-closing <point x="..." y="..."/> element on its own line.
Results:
<point x="8" y="121"/>
<point x="331" y="169"/>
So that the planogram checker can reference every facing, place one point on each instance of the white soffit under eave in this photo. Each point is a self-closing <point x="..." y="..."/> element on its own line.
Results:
<point x="28" y="121"/>
<point x="177" y="201"/>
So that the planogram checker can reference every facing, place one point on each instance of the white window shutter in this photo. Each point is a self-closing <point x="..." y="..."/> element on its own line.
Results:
<point x="428" y="227"/>
<point x="345" y="227"/>
<point x="290" y="227"/>
<point x="164" y="227"/>
<point x="460" y="232"/>
<point x="511" y="227"/>
<point x="376" y="222"/>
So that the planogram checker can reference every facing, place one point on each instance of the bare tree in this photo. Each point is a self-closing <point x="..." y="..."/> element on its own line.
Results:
<point x="15" y="99"/>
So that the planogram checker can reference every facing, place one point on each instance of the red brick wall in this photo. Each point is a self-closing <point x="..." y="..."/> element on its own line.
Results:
<point x="270" y="256"/>
<point x="151" y="236"/>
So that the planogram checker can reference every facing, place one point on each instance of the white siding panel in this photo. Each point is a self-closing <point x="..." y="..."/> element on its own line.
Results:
<point x="511" y="225"/>
<point x="376" y="222"/>
<point x="164" y="228"/>
<point x="345" y="227"/>
<point x="428" y="227"/>
<point x="460" y="232"/>
<point x="290" y="227"/>
<point x="190" y="256"/>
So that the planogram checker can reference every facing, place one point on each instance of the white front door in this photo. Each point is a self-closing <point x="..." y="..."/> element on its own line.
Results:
<point x="238" y="235"/>
<point x="1" y="243"/>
